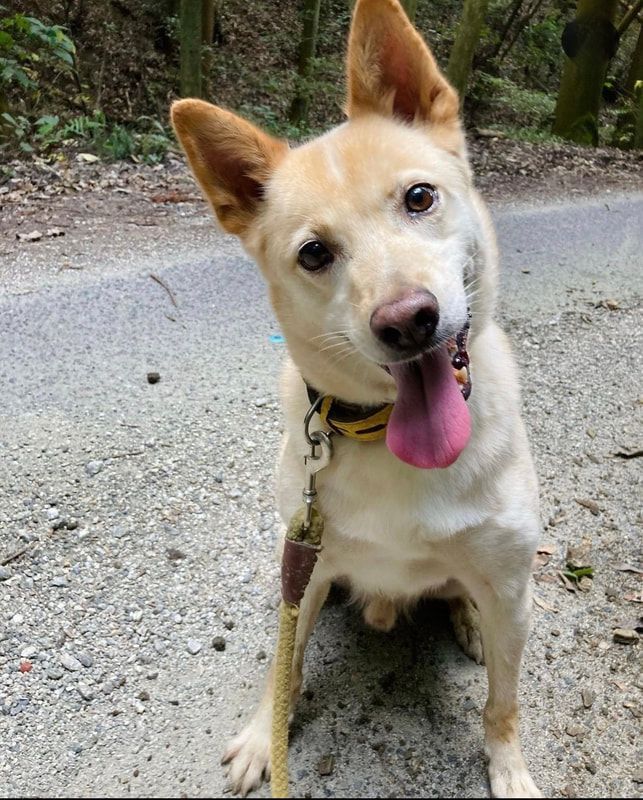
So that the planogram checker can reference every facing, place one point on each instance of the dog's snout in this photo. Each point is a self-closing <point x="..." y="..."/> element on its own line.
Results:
<point x="407" y="323"/>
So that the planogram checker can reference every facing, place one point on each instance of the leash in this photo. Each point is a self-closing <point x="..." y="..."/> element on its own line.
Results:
<point x="303" y="537"/>
<point x="301" y="548"/>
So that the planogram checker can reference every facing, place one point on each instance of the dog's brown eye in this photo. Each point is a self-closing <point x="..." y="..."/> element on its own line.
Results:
<point x="314" y="255"/>
<point x="420" y="197"/>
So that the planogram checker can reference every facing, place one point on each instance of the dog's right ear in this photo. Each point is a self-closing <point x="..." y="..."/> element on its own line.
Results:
<point x="230" y="158"/>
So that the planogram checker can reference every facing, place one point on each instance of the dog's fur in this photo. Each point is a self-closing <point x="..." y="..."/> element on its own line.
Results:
<point x="393" y="532"/>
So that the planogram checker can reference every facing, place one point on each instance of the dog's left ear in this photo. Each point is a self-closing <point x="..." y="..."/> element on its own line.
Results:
<point x="392" y="72"/>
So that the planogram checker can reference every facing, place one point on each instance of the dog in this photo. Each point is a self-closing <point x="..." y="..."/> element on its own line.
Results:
<point x="381" y="265"/>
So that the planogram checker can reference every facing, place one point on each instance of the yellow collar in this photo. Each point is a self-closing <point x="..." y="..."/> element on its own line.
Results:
<point x="363" y="423"/>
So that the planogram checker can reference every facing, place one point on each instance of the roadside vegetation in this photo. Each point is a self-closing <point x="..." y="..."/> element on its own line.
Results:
<point x="96" y="77"/>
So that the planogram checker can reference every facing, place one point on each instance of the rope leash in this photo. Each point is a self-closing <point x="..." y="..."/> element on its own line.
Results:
<point x="301" y="547"/>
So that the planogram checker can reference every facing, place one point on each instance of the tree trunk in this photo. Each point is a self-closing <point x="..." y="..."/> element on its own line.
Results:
<point x="466" y="41"/>
<point x="191" y="11"/>
<point x="299" y="107"/>
<point x="589" y="43"/>
<point x="635" y="72"/>
<point x="207" y="21"/>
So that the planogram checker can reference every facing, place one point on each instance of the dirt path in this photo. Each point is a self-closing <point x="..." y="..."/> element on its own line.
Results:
<point x="137" y="523"/>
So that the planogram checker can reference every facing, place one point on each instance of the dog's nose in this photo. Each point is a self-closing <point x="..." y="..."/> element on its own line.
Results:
<point x="408" y="323"/>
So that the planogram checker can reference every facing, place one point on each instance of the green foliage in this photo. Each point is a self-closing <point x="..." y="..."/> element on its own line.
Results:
<point x="512" y="105"/>
<point x="29" y="46"/>
<point x="146" y="141"/>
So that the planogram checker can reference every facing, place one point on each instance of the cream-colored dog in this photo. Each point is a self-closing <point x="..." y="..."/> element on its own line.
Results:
<point x="378" y="253"/>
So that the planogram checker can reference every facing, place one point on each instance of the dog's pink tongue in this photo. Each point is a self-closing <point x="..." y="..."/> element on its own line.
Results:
<point x="430" y="424"/>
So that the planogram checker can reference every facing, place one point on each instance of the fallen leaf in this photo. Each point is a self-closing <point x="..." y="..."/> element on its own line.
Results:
<point x="634" y="598"/>
<point x="628" y="568"/>
<point x="609" y="303"/>
<point x="545" y="578"/>
<point x="34" y="236"/>
<point x="571" y="587"/>
<point x="540" y="560"/>
<point x="174" y="197"/>
<point x="578" y="556"/>
<point x="591" y="505"/>
<point x="88" y="158"/>
<point x="26" y="666"/>
<point x="544" y="605"/>
<point x="547" y="549"/>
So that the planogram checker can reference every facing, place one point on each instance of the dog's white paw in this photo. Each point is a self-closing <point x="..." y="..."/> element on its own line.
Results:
<point x="465" y="619"/>
<point x="380" y="614"/>
<point x="508" y="773"/>
<point x="248" y="756"/>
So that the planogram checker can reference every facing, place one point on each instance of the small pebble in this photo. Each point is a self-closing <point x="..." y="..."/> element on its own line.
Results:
<point x="588" y="695"/>
<point x="60" y="581"/>
<point x="218" y="643"/>
<point x="625" y="636"/>
<point x="94" y="467"/>
<point x="326" y="765"/>
<point x="85" y="659"/>
<point x="85" y="692"/>
<point x="70" y="662"/>
<point x="153" y="377"/>
<point x="5" y="573"/>
<point x="194" y="646"/>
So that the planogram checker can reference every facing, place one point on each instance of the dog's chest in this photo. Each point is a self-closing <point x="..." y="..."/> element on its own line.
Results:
<point x="387" y="526"/>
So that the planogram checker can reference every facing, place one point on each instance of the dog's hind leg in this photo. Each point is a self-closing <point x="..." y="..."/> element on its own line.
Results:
<point x="465" y="619"/>
<point x="248" y="755"/>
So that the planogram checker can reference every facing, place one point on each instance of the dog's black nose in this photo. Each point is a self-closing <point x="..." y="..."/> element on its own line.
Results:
<point x="408" y="323"/>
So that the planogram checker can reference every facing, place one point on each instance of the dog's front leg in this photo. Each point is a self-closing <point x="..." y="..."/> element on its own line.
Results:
<point x="249" y="753"/>
<point x="504" y="621"/>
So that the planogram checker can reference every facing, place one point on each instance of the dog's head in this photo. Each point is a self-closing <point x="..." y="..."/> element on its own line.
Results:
<point x="371" y="238"/>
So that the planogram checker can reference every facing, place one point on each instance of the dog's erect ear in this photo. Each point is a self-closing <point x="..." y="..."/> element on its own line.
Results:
<point x="230" y="158"/>
<point x="391" y="71"/>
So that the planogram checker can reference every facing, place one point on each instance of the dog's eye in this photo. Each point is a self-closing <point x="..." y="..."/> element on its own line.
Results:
<point x="314" y="255"/>
<point x="420" y="197"/>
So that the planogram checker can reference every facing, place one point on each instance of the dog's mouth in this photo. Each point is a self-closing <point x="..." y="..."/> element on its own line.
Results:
<point x="430" y="424"/>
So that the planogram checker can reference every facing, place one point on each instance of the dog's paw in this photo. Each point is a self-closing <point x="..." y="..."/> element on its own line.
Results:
<point x="248" y="757"/>
<point x="380" y="614"/>
<point x="508" y="774"/>
<point x="465" y="619"/>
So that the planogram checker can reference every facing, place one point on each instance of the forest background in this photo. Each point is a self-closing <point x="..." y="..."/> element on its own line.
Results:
<point x="97" y="76"/>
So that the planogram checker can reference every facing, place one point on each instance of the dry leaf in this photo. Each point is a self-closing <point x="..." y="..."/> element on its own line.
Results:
<point x="89" y="158"/>
<point x="544" y="605"/>
<point x="571" y="587"/>
<point x="591" y="505"/>
<point x="634" y="598"/>
<point x="547" y="549"/>
<point x="628" y="568"/>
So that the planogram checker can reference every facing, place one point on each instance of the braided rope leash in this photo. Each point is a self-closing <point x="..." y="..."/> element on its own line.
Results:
<point x="301" y="548"/>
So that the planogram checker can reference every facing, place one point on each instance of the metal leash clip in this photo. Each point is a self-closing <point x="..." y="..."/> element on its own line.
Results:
<point x="321" y="451"/>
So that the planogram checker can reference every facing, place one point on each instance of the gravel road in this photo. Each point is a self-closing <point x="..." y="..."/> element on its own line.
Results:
<point x="137" y="527"/>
